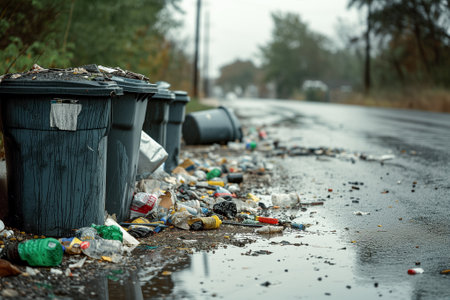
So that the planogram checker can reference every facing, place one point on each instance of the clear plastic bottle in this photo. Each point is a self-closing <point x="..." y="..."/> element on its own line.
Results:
<point x="100" y="247"/>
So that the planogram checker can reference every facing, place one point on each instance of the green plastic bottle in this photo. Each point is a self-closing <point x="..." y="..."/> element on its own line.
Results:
<point x="46" y="252"/>
<point x="213" y="173"/>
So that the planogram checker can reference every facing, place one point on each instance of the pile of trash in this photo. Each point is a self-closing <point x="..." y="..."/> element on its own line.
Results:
<point x="211" y="187"/>
<point x="204" y="192"/>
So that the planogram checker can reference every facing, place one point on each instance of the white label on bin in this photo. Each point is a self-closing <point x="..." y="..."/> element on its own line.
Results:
<point x="64" y="114"/>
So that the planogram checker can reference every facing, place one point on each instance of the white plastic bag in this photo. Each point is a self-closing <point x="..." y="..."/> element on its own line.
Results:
<point x="151" y="156"/>
<point x="143" y="204"/>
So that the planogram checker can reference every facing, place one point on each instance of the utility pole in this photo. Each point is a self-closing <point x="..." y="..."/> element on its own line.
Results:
<point x="367" y="80"/>
<point x="206" y="57"/>
<point x="197" y="37"/>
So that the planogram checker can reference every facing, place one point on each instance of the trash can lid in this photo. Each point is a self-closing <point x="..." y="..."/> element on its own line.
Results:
<point x="61" y="87"/>
<point x="135" y="85"/>
<point x="181" y="96"/>
<point x="163" y="94"/>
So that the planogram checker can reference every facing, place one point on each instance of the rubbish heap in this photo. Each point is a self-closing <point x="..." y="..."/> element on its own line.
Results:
<point x="211" y="187"/>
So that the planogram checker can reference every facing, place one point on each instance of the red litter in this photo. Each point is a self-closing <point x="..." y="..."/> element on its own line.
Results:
<point x="415" y="271"/>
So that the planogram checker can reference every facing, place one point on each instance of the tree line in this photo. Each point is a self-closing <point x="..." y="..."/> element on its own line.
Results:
<point x="405" y="44"/>
<point x="132" y="35"/>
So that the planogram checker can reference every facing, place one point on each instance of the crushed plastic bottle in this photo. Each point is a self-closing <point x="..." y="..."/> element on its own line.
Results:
<point x="195" y="204"/>
<point x="87" y="233"/>
<point x="101" y="249"/>
<point x="269" y="229"/>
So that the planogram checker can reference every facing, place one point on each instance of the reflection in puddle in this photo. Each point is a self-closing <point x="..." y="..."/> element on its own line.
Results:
<point x="296" y="264"/>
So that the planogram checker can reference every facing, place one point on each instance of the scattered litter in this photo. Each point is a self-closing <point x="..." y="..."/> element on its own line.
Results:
<point x="79" y="264"/>
<point x="269" y="229"/>
<point x="361" y="213"/>
<point x="56" y="271"/>
<point x="31" y="271"/>
<point x="415" y="271"/>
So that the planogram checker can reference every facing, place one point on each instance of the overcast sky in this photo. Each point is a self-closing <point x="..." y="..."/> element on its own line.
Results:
<point x="238" y="27"/>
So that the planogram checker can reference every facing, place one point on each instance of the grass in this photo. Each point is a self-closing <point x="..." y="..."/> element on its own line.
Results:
<point x="437" y="100"/>
<point x="196" y="105"/>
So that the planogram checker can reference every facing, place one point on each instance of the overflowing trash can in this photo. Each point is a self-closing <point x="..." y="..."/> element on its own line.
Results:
<point x="177" y="110"/>
<point x="157" y="115"/>
<point x="128" y="114"/>
<point x="55" y="126"/>
<point x="217" y="125"/>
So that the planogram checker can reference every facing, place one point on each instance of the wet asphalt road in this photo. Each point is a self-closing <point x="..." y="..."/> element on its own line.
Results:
<point x="408" y="197"/>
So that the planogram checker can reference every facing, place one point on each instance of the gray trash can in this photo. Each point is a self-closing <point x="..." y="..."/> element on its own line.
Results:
<point x="218" y="125"/>
<point x="177" y="110"/>
<point x="157" y="115"/>
<point x="55" y="135"/>
<point x="128" y="114"/>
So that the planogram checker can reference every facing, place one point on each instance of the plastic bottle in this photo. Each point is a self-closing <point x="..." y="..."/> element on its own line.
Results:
<point x="298" y="226"/>
<point x="100" y="247"/>
<point x="269" y="229"/>
<point x="46" y="252"/>
<point x="216" y="183"/>
<point x="223" y="193"/>
<point x="87" y="233"/>
<point x="215" y="172"/>
<point x="212" y="222"/>
<point x="193" y="211"/>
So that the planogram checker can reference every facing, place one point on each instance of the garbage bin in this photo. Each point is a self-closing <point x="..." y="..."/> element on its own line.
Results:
<point x="217" y="125"/>
<point x="55" y="130"/>
<point x="128" y="113"/>
<point x="157" y="115"/>
<point x="177" y="110"/>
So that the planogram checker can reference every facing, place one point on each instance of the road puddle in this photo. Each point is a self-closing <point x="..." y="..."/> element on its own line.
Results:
<point x="310" y="264"/>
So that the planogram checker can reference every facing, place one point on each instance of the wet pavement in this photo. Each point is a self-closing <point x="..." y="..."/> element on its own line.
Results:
<point x="391" y="166"/>
<point x="341" y="255"/>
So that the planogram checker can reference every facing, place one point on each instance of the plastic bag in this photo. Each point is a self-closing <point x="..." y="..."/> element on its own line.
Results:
<point x="151" y="156"/>
<point x="143" y="204"/>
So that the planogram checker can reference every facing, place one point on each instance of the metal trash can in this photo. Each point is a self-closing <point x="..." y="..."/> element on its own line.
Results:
<point x="177" y="110"/>
<point x="55" y="129"/>
<point x="128" y="114"/>
<point x="217" y="125"/>
<point x="157" y="115"/>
